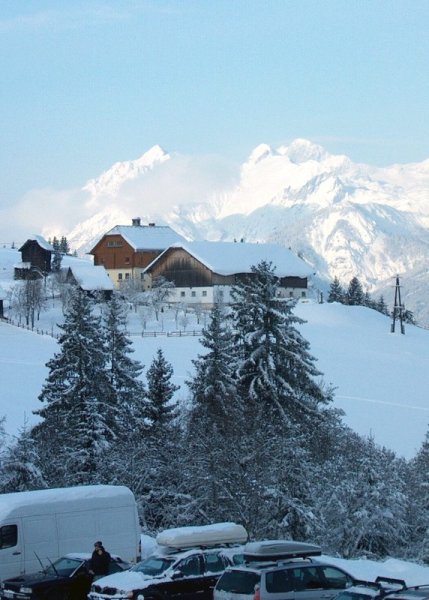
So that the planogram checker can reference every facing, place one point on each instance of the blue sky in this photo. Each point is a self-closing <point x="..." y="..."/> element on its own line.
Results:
<point x="88" y="83"/>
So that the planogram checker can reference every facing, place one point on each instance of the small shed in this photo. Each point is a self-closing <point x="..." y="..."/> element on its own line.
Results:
<point x="89" y="278"/>
<point x="36" y="255"/>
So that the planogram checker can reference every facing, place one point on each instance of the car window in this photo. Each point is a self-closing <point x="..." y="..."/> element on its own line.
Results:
<point x="335" y="579"/>
<point x="305" y="578"/>
<point x="242" y="582"/>
<point x="214" y="562"/>
<point x="190" y="566"/>
<point x="114" y="567"/>
<point x="154" y="565"/>
<point x="277" y="582"/>
<point x="64" y="566"/>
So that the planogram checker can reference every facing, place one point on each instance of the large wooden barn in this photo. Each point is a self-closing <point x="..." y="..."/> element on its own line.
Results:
<point x="204" y="272"/>
<point x="126" y="250"/>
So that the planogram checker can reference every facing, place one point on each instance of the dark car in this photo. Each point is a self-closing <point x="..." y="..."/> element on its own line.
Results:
<point x="186" y="566"/>
<point x="68" y="578"/>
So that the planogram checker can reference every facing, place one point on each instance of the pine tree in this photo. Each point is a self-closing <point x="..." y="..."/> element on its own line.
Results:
<point x="213" y="387"/>
<point x="127" y="390"/>
<point x="64" y="245"/>
<point x="160" y="391"/>
<point x="20" y="469"/>
<point x="336" y="292"/>
<point x="56" y="257"/>
<point x="381" y="306"/>
<point x="77" y="415"/>
<point x="277" y="368"/>
<point x="354" y="294"/>
<point x="214" y="425"/>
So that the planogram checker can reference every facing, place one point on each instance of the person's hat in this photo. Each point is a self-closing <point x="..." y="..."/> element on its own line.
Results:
<point x="100" y="544"/>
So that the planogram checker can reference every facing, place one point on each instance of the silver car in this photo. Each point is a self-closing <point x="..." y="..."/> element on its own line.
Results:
<point x="281" y="570"/>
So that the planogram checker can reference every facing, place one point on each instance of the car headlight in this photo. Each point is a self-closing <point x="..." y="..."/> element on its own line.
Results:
<point x="25" y="590"/>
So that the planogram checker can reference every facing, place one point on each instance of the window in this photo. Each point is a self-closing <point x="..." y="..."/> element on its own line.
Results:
<point x="182" y="294"/>
<point x="204" y="293"/>
<point x="220" y="293"/>
<point x="303" y="294"/>
<point x="190" y="566"/>
<point x="333" y="578"/>
<point x="193" y="294"/>
<point x="307" y="578"/>
<point x="127" y="275"/>
<point x="8" y="536"/>
<point x="278" y="582"/>
<point x="119" y="276"/>
<point x="141" y="275"/>
<point x="214" y="563"/>
<point x="117" y="244"/>
<point x="290" y="294"/>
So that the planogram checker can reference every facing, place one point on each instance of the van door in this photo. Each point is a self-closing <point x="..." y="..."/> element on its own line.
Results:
<point x="11" y="551"/>
<point x="40" y="541"/>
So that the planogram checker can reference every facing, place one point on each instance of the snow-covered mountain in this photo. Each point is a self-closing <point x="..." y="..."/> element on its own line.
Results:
<point x="344" y="218"/>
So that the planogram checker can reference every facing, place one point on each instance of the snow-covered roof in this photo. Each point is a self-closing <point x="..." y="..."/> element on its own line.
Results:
<point x="41" y="241"/>
<point x="229" y="258"/>
<point x="88" y="276"/>
<point x="24" y="503"/>
<point x="147" y="237"/>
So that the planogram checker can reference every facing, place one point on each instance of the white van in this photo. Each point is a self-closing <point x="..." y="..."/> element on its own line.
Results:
<point x="46" y="524"/>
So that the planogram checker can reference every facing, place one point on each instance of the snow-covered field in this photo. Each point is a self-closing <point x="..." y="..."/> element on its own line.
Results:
<point x="381" y="379"/>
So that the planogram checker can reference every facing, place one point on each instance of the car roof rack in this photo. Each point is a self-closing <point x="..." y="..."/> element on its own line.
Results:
<point x="278" y="550"/>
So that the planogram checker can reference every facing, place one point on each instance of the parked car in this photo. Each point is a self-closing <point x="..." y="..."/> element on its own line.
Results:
<point x="367" y="590"/>
<point x="186" y="565"/>
<point x="67" y="578"/>
<point x="417" y="592"/>
<point x="281" y="569"/>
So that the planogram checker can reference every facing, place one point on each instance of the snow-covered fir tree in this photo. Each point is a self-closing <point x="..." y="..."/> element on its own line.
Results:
<point x="213" y="386"/>
<point x="336" y="292"/>
<point x="355" y="295"/>
<point x="276" y="367"/>
<point x="215" y="423"/>
<point x="75" y="431"/>
<point x="56" y="256"/>
<point x="126" y="389"/>
<point x="160" y="391"/>
<point x="19" y="466"/>
<point x="362" y="503"/>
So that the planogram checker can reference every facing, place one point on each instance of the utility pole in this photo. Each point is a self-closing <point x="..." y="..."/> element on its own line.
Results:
<point x="398" y="308"/>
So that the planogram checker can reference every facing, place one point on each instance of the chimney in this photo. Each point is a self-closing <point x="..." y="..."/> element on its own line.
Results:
<point x="151" y="224"/>
<point x="136" y="222"/>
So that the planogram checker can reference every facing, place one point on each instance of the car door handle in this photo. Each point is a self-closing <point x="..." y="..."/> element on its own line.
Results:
<point x="15" y="553"/>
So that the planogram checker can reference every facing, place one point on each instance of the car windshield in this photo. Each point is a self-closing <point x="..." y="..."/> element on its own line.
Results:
<point x="63" y="567"/>
<point x="154" y="565"/>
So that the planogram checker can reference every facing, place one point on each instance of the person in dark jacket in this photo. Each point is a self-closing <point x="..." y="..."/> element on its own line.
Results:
<point x="100" y="561"/>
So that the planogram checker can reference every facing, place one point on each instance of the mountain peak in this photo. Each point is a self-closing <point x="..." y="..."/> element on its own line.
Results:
<point x="302" y="150"/>
<point x="111" y="180"/>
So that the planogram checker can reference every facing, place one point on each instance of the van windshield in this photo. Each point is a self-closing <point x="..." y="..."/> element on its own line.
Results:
<point x="154" y="565"/>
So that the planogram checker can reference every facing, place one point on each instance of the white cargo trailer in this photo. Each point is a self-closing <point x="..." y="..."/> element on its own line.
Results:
<point x="46" y="524"/>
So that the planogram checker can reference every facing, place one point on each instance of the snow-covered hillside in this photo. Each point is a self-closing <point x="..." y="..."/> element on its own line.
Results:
<point x="345" y="219"/>
<point x="381" y="379"/>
